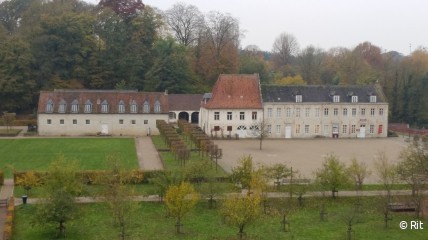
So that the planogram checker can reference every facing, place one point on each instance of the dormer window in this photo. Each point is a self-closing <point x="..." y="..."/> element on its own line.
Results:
<point x="62" y="106"/>
<point x="336" y="98"/>
<point x="104" y="106"/>
<point x="373" y="99"/>
<point x="75" y="106"/>
<point x="88" y="106"/>
<point x="157" y="107"/>
<point x="133" y="107"/>
<point x="354" y="99"/>
<point x="146" y="107"/>
<point x="49" y="106"/>
<point x="121" y="108"/>
<point x="298" y="98"/>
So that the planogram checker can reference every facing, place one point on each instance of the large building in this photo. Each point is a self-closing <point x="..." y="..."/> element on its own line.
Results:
<point x="234" y="107"/>
<point x="92" y="112"/>
<point x="328" y="111"/>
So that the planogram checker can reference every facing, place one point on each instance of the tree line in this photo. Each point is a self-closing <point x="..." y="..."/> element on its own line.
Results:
<point x="119" y="44"/>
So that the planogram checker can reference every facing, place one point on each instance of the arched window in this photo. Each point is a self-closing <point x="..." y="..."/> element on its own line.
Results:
<point x="75" y="106"/>
<point x="49" y="106"/>
<point x="157" y="107"/>
<point x="146" y="107"/>
<point x="88" y="106"/>
<point x="62" y="106"/>
<point x="134" y="106"/>
<point x="121" y="108"/>
<point x="104" y="106"/>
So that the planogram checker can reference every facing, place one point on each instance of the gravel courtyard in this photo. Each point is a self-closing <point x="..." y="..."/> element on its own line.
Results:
<point x="306" y="155"/>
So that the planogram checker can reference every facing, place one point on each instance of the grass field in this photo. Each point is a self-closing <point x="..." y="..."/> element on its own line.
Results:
<point x="36" y="154"/>
<point x="150" y="222"/>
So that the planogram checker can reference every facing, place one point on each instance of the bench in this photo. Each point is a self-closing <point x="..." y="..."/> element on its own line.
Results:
<point x="402" y="207"/>
<point x="286" y="181"/>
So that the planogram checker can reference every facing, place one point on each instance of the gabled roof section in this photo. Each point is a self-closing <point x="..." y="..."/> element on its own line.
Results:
<point x="97" y="97"/>
<point x="317" y="93"/>
<point x="185" y="102"/>
<point x="236" y="91"/>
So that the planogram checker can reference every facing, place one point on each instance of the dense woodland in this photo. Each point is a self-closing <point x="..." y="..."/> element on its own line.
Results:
<point x="125" y="44"/>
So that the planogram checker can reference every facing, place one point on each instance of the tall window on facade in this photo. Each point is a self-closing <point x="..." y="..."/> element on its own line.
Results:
<point x="49" y="106"/>
<point x="380" y="111"/>
<point x="269" y="128"/>
<point x="373" y="99"/>
<point x="326" y="112"/>
<point x="146" y="107"/>
<point x="157" y="107"/>
<point x="121" y="108"/>
<point x="62" y="106"/>
<point x="75" y="106"/>
<point x="88" y="106"/>
<point x="317" y="112"/>
<point x="216" y="115"/>
<point x="104" y="106"/>
<point x="336" y="98"/>
<point x="363" y="111"/>
<point x="269" y="113"/>
<point x="288" y="112"/>
<point x="345" y="112"/>
<point x="278" y="129"/>
<point x="307" y="111"/>
<point x="371" y="129"/>
<point x="229" y="115"/>
<point x="317" y="129"/>
<point x="254" y="115"/>
<point x="241" y="115"/>
<point x="278" y="112"/>
<point x="372" y="112"/>
<point x="133" y="107"/>
<point x="352" y="128"/>
<point x="297" y="128"/>
<point x="354" y="112"/>
<point x="306" y="128"/>
<point x="299" y="98"/>
<point x="335" y="111"/>
<point x="297" y="112"/>
<point x="344" y="128"/>
<point x="354" y="99"/>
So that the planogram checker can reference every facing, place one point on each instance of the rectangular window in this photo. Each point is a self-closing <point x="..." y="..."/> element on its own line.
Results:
<point x="88" y="108"/>
<point x="380" y="129"/>
<point x="288" y="112"/>
<point x="278" y="129"/>
<point x="74" y="108"/>
<point x="269" y="128"/>
<point x="229" y="128"/>
<point x="61" y="121"/>
<point x="380" y="111"/>
<point x="278" y="112"/>
<point x="88" y="121"/>
<point x="121" y="108"/>
<point x="306" y="128"/>
<point x="298" y="98"/>
<point x="254" y="115"/>
<point x="326" y="112"/>
<point x="344" y="128"/>
<point x="172" y="115"/>
<point x="104" y="108"/>
<point x="74" y="121"/>
<point x="120" y="121"/>
<point x="373" y="99"/>
<point x="335" y="111"/>
<point x="133" y="108"/>
<point x="242" y="116"/>
<point x="229" y="115"/>
<point x="371" y="129"/>
<point x="216" y="115"/>
<point x="317" y="129"/>
<point x="61" y="108"/>
<point x="216" y="128"/>
<point x="354" y="112"/>
<point x="317" y="112"/>
<point x="269" y="113"/>
<point x="363" y="111"/>
<point x="297" y="128"/>
<point x="345" y="112"/>
<point x="49" y="121"/>
<point x="354" y="99"/>
<point x="336" y="98"/>
<point x="352" y="128"/>
<point x="372" y="112"/>
<point x="297" y="112"/>
<point x="146" y="121"/>
<point x="307" y="111"/>
<point x="133" y="121"/>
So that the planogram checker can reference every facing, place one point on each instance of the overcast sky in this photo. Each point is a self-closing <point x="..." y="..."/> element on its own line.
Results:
<point x="390" y="24"/>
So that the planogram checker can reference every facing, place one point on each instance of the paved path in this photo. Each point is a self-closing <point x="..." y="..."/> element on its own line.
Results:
<point x="148" y="157"/>
<point x="5" y="193"/>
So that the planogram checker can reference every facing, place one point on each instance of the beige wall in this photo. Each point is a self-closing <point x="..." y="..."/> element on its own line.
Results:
<point x="322" y="125"/>
<point x="109" y="122"/>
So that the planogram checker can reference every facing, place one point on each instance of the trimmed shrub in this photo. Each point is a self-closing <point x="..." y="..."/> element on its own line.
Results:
<point x="1" y="177"/>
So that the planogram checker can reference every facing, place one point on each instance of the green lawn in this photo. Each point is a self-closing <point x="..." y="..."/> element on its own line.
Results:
<point x="37" y="153"/>
<point x="202" y="223"/>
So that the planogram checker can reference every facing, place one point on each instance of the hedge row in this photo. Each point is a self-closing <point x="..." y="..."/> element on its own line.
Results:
<point x="8" y="224"/>
<point x="1" y="177"/>
<point x="87" y="176"/>
<point x="20" y="122"/>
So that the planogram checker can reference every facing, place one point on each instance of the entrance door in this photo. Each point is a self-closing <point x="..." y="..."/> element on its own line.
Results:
<point x="104" y="129"/>
<point x="288" y="131"/>
<point x="362" y="133"/>
<point x="326" y="133"/>
<point x="242" y="131"/>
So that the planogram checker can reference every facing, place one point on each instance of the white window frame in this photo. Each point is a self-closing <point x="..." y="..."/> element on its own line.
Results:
<point x="229" y="116"/>
<point x="354" y="112"/>
<point x="134" y="107"/>
<point x="297" y="112"/>
<point x="49" y="106"/>
<point x="121" y="108"/>
<point x="335" y="111"/>
<point x="307" y="112"/>
<point x="241" y="115"/>
<point x="307" y="128"/>
<point x="217" y="116"/>
<point x="344" y="128"/>
<point x="336" y="98"/>
<point x="74" y="107"/>
<point x="288" y="112"/>
<point x="373" y="99"/>
<point x="354" y="99"/>
<point x="299" y="98"/>
<point x="88" y="107"/>
<point x="380" y="111"/>
<point x="278" y="129"/>
<point x="146" y="107"/>
<point x="62" y="107"/>
<point x="157" y="106"/>
<point x="104" y="107"/>
<point x="278" y="112"/>
<point x="269" y="112"/>
<point x="345" y="112"/>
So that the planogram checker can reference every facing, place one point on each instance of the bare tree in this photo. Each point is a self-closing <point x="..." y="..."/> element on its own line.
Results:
<point x="310" y="62"/>
<point x="386" y="172"/>
<point x="284" y="47"/>
<point x="261" y="129"/>
<point x="186" y="21"/>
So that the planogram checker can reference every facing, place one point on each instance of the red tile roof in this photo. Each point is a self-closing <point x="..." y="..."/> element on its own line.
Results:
<point x="182" y="102"/>
<point x="236" y="91"/>
<point x="96" y="97"/>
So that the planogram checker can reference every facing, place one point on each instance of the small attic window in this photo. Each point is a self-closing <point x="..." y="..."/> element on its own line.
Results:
<point x="146" y="107"/>
<point x="157" y="107"/>
<point x="354" y="99"/>
<point x="373" y="99"/>
<point x="104" y="106"/>
<point x="336" y="98"/>
<point x="49" y="106"/>
<point x="298" y="98"/>
<point x="75" y="106"/>
<point x="62" y="106"/>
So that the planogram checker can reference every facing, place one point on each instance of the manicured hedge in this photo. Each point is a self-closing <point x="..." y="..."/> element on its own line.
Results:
<point x="1" y="177"/>
<point x="21" y="122"/>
